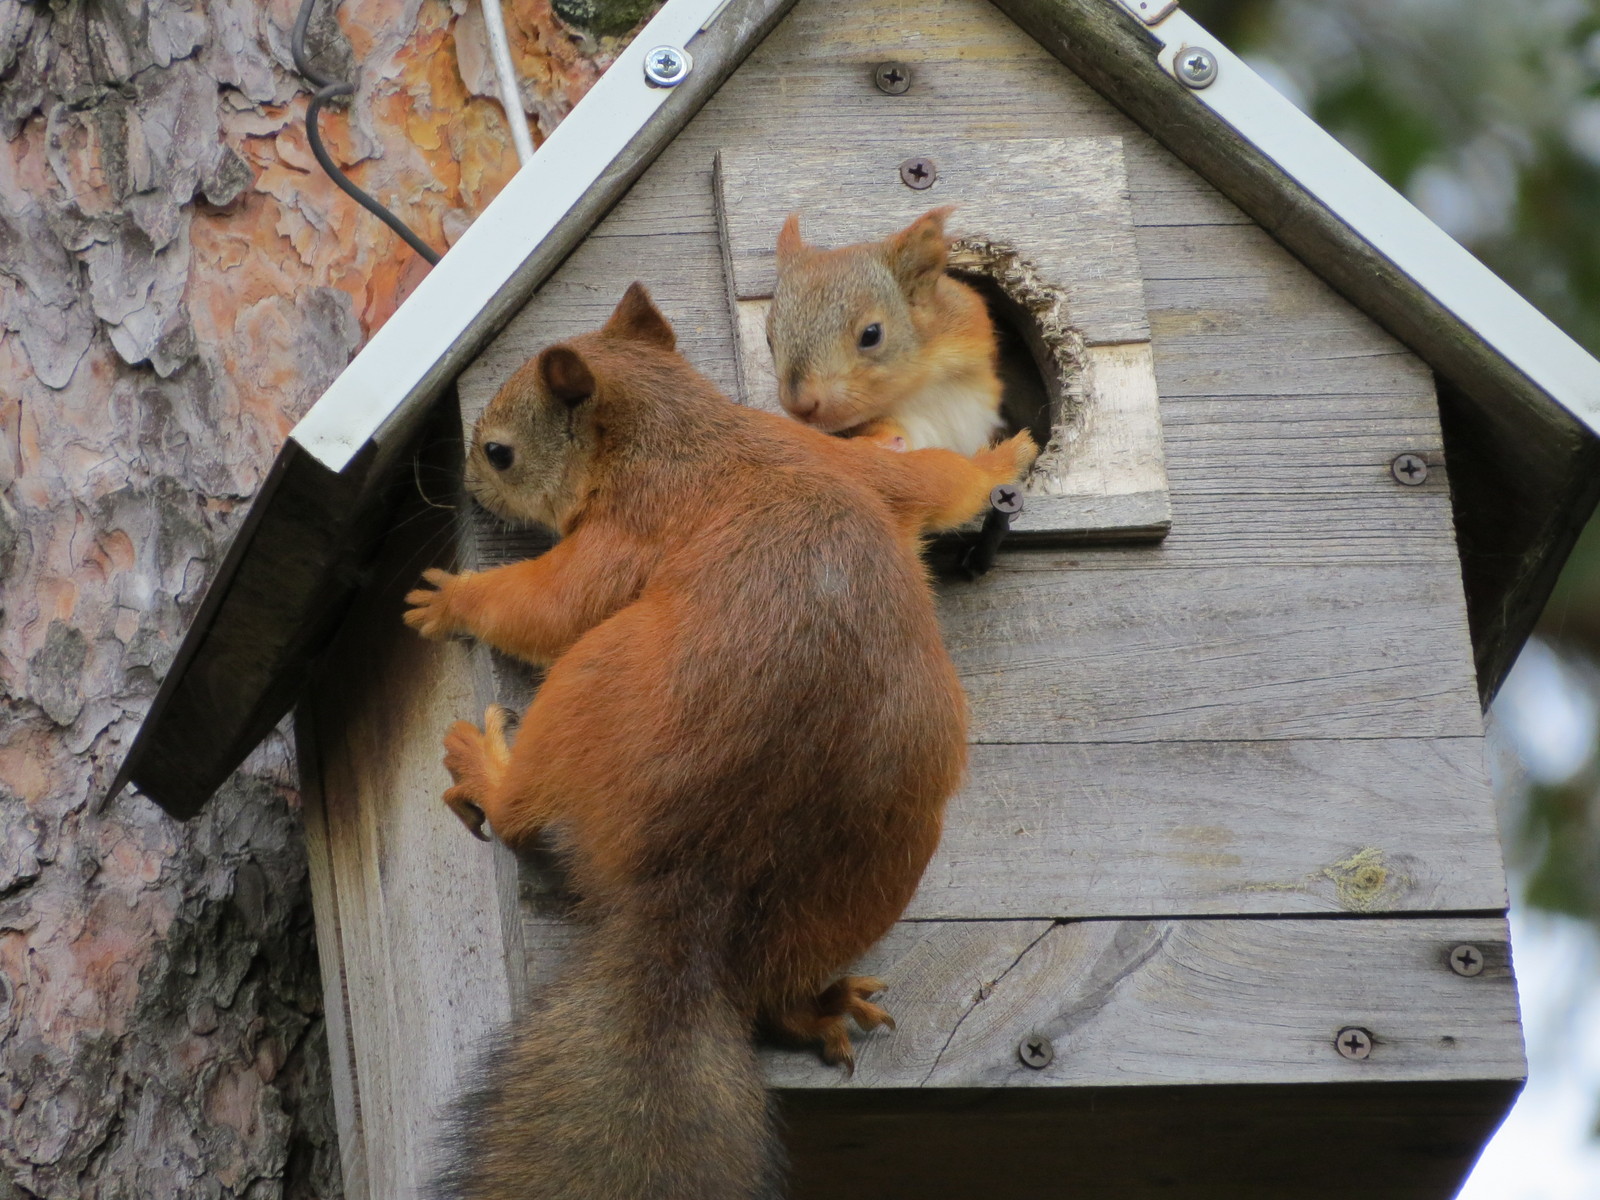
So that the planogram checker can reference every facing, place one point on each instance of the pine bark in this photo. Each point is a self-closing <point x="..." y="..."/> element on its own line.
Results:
<point x="178" y="283"/>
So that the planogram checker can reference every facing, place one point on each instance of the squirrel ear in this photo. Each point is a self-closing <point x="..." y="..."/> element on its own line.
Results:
<point x="566" y="375"/>
<point x="637" y="317"/>
<point x="918" y="253"/>
<point x="790" y="244"/>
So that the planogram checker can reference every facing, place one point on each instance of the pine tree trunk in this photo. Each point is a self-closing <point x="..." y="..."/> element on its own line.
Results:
<point x="178" y="282"/>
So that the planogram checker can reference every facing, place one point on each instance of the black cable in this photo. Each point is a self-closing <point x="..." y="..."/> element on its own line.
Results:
<point x="328" y="89"/>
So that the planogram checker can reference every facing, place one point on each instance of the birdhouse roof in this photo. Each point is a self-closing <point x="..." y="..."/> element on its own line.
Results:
<point x="1520" y="400"/>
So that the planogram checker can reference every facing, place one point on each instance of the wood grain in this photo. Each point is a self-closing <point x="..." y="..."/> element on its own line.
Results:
<point x="1202" y="653"/>
<point x="1161" y="1002"/>
<point x="1187" y="828"/>
<point x="1250" y="755"/>
<point x="1078" y="230"/>
<point x="1168" y="1002"/>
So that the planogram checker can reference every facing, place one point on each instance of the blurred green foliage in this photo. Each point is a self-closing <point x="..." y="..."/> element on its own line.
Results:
<point x="1486" y="113"/>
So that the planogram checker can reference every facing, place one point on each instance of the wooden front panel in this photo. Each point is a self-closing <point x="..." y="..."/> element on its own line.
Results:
<point x="1223" y="789"/>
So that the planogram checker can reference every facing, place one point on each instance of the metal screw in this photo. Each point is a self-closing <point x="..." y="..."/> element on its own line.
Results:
<point x="1036" y="1051"/>
<point x="1409" y="469"/>
<point x="1007" y="498"/>
<point x="1353" y="1043"/>
<point x="918" y="173"/>
<point x="1465" y="960"/>
<point x="892" y="78"/>
<point x="667" y="66"/>
<point x="1196" y="68"/>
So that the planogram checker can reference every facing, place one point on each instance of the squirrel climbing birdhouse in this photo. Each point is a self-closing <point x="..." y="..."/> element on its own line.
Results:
<point x="1222" y="897"/>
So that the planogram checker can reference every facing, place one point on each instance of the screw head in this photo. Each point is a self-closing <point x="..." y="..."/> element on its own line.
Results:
<point x="919" y="173"/>
<point x="1409" y="469"/>
<point x="1007" y="498"/>
<point x="1196" y="67"/>
<point x="1036" y="1051"/>
<point x="892" y="78"/>
<point x="1353" y="1043"/>
<point x="1466" y="960"/>
<point x="667" y="66"/>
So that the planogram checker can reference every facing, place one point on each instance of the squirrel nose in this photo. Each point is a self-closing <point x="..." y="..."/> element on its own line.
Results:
<point x="803" y="407"/>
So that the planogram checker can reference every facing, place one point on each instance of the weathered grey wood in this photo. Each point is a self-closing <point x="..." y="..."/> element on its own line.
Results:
<point x="1077" y="228"/>
<point x="1202" y="828"/>
<point x="1185" y="828"/>
<point x="1219" y="654"/>
<point x="1383" y="1141"/>
<point x="1134" y="516"/>
<point x="1160" y="1002"/>
<point x="1212" y="1002"/>
<point x="413" y="904"/>
<point x="682" y="269"/>
<point x="1531" y="457"/>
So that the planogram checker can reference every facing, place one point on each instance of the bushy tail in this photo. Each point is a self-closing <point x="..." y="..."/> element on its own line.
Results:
<point x="632" y="1078"/>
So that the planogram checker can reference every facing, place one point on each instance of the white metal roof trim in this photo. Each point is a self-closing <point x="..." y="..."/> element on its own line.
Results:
<point x="1390" y="223"/>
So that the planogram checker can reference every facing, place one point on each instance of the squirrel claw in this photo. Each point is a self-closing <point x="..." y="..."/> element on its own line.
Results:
<point x="469" y="813"/>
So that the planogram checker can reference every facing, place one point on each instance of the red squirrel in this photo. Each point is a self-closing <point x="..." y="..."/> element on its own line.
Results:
<point x="877" y="341"/>
<point x="742" y="748"/>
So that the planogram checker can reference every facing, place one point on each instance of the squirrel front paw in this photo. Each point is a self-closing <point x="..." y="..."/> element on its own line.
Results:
<point x="431" y="613"/>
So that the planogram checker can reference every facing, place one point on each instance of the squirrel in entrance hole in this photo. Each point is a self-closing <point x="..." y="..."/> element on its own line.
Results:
<point x="742" y="748"/>
<point x="875" y="340"/>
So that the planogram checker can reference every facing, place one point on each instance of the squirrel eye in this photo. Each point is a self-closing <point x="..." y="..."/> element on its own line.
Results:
<point x="870" y="336"/>
<point x="499" y="455"/>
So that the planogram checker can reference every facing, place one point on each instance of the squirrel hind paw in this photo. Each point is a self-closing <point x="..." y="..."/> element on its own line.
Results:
<point x="467" y="811"/>
<point x="827" y="1018"/>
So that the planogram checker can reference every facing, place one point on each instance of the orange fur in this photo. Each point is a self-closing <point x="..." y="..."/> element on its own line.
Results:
<point x="749" y="726"/>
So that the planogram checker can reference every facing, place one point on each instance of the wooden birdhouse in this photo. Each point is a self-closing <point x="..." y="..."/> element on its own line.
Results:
<point x="1220" y="910"/>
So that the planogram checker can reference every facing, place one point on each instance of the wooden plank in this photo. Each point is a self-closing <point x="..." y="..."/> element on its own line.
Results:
<point x="1386" y="1141"/>
<point x="1189" y="828"/>
<point x="1234" y="654"/>
<point x="1078" y="230"/>
<point x="1169" y="1002"/>
<point x="419" y="971"/>
<point x="1202" y="828"/>
<point x="1180" y="1002"/>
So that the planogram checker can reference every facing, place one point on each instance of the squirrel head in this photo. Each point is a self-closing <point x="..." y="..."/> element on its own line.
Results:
<point x="844" y="331"/>
<point x="541" y="444"/>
